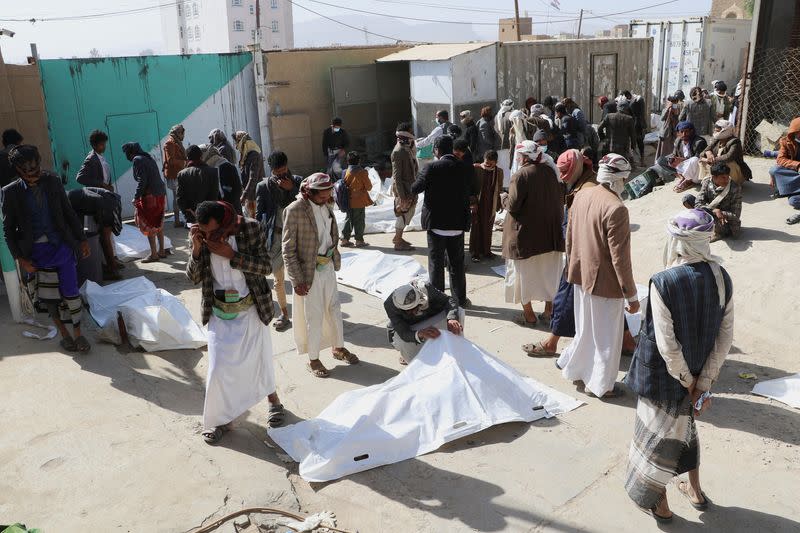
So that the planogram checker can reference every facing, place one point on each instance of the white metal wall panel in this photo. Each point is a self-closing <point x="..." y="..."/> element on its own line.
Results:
<point x="475" y="73"/>
<point x="432" y="82"/>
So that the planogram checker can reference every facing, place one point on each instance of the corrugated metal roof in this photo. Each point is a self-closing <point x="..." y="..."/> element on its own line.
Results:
<point x="434" y="52"/>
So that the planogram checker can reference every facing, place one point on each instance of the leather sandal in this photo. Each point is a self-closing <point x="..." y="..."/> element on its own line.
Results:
<point x="343" y="354"/>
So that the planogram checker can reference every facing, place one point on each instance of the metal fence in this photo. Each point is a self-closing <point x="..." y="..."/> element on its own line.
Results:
<point x="774" y="91"/>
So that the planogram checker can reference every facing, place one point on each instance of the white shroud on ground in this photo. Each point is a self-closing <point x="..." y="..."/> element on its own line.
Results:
<point x="452" y="389"/>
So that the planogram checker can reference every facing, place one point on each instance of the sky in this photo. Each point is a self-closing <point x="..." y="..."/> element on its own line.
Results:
<point x="131" y="34"/>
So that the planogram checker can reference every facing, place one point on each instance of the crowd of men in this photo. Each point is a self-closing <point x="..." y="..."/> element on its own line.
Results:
<point x="566" y="242"/>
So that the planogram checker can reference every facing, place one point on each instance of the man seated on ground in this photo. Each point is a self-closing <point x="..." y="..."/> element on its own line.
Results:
<point x="785" y="175"/>
<point x="417" y="311"/>
<point x="721" y="197"/>
<point x="684" y="162"/>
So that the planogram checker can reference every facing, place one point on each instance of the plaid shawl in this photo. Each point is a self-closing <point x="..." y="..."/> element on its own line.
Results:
<point x="251" y="258"/>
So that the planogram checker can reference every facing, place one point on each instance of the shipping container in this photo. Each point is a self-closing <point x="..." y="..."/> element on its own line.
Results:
<point x="583" y="69"/>
<point x="694" y="52"/>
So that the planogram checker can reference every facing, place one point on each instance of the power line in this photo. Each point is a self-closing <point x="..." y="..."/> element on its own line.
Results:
<point x="89" y="16"/>
<point x="348" y="25"/>
<point x="437" y="21"/>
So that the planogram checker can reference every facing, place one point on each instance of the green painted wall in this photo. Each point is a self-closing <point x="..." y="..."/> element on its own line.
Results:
<point x="132" y="98"/>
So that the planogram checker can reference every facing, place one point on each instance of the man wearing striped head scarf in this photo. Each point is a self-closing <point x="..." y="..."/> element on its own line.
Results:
<point x="686" y="335"/>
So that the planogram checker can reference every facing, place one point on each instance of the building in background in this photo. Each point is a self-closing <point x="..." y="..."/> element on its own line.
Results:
<point x="213" y="26"/>
<point x="730" y="9"/>
<point x="508" y="29"/>
<point x="619" y="31"/>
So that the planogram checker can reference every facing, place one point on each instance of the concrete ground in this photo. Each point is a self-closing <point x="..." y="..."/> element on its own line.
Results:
<point x="110" y="441"/>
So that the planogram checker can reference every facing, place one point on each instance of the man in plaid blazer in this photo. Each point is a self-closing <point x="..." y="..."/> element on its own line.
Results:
<point x="311" y="256"/>
<point x="229" y="259"/>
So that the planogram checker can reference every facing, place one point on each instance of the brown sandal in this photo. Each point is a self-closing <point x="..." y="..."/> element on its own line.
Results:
<point x="151" y="259"/>
<point x="343" y="354"/>
<point x="319" y="372"/>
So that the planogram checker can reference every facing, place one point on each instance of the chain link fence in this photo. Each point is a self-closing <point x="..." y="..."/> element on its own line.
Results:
<point x="773" y="94"/>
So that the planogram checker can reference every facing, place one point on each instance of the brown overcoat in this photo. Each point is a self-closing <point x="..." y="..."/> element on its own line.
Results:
<point x="535" y="205"/>
<point x="599" y="244"/>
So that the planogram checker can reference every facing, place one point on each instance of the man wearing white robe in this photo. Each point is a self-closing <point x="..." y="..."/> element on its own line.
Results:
<point x="599" y="265"/>
<point x="230" y="260"/>
<point x="311" y="256"/>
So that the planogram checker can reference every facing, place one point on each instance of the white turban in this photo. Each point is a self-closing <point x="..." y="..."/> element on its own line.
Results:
<point x="727" y="130"/>
<point x="505" y="107"/>
<point x="410" y="296"/>
<point x="614" y="170"/>
<point x="689" y="242"/>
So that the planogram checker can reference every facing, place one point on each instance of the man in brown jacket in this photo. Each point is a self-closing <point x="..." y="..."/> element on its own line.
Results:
<point x="174" y="162"/>
<point x="533" y="244"/>
<point x="599" y="266"/>
<point x="405" y="168"/>
<point x="311" y="256"/>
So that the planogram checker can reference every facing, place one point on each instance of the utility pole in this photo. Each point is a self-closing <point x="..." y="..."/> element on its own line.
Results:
<point x="258" y="27"/>
<point x="580" y="23"/>
<point x="516" y="18"/>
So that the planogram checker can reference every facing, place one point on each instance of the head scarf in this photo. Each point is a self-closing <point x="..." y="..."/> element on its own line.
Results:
<point x="571" y="165"/>
<point x="690" y="233"/>
<point x="613" y="171"/>
<point x="505" y="107"/>
<point x="537" y="109"/>
<point x="245" y="145"/>
<point x="211" y="155"/>
<point x="229" y="224"/>
<point x="726" y="131"/>
<point x="530" y="149"/>
<point x="465" y="114"/>
<point x="517" y="119"/>
<point x="602" y="101"/>
<point x="218" y="138"/>
<point x="411" y="297"/>
<point x="177" y="132"/>
<point x="684" y="125"/>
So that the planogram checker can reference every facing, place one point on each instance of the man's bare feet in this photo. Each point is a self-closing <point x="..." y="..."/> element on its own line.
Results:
<point x="662" y="509"/>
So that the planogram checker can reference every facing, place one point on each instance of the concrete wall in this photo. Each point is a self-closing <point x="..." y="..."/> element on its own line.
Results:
<point x="139" y="99"/>
<point x="22" y="106"/>
<point x="300" y="101"/>
<point x="574" y="68"/>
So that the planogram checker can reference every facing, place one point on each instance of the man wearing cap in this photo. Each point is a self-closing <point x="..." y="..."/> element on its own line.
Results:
<point x="533" y="244"/>
<point x="311" y="256"/>
<point x="445" y="216"/>
<point x="442" y="127"/>
<point x="417" y="311"/>
<point x="599" y="266"/>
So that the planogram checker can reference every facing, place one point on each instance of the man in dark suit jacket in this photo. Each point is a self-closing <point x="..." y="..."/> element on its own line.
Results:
<point x="197" y="183"/>
<point x="95" y="170"/>
<point x="617" y="132"/>
<point x="44" y="234"/>
<point x="445" y="216"/>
